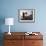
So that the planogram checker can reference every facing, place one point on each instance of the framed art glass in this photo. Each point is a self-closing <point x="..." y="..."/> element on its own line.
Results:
<point x="26" y="15"/>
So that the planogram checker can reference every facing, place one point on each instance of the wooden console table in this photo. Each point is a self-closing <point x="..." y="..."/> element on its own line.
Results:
<point x="20" y="39"/>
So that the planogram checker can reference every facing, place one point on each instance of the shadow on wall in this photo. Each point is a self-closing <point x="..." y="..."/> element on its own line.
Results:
<point x="2" y="21"/>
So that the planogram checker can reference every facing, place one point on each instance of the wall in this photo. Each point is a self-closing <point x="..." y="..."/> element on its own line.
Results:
<point x="9" y="8"/>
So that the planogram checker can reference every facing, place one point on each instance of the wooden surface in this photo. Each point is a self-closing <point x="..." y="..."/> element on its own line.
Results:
<point x="33" y="43"/>
<point x="20" y="39"/>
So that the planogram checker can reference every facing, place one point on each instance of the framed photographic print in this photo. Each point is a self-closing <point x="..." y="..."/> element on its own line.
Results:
<point x="26" y="15"/>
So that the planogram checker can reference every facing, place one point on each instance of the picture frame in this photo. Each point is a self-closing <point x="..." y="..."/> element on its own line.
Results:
<point x="26" y="15"/>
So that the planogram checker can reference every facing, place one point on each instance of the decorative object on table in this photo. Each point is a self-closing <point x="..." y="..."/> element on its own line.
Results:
<point x="30" y="33"/>
<point x="9" y="21"/>
<point x="26" y="15"/>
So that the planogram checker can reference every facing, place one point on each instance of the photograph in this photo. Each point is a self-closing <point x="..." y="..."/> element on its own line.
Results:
<point x="26" y="15"/>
